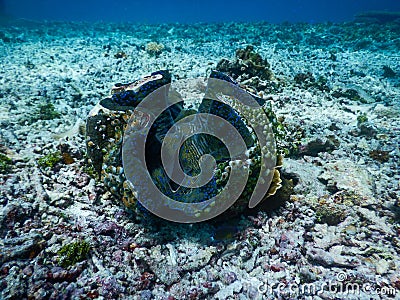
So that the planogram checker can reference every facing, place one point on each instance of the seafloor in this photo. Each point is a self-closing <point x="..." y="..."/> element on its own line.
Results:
<point x="64" y="236"/>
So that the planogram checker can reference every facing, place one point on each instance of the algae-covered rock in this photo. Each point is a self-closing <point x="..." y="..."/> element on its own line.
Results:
<point x="250" y="69"/>
<point x="43" y="111"/>
<point x="73" y="253"/>
<point x="307" y="80"/>
<point x="345" y="175"/>
<point x="50" y="160"/>
<point x="22" y="247"/>
<point x="353" y="93"/>
<point x="317" y="145"/>
<point x="330" y="214"/>
<point x="47" y="111"/>
<point x="379" y="155"/>
<point x="5" y="163"/>
<point x="388" y="72"/>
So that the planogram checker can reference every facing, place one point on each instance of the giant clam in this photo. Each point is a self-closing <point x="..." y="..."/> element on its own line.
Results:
<point x="114" y="116"/>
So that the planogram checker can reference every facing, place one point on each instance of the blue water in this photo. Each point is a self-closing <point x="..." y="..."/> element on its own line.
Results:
<point x="188" y="11"/>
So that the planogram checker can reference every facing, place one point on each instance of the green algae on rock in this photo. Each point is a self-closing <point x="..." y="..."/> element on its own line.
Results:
<point x="361" y="118"/>
<point x="47" y="111"/>
<point x="43" y="111"/>
<point x="50" y="160"/>
<point x="73" y="253"/>
<point x="329" y="213"/>
<point x="5" y="163"/>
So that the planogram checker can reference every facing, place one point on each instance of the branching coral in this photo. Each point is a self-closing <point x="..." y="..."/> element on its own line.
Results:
<point x="154" y="49"/>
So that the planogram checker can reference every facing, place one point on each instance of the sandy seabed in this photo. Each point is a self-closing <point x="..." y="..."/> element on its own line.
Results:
<point x="337" y="236"/>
